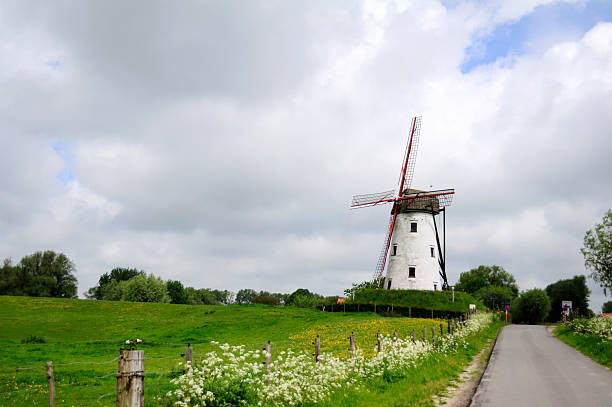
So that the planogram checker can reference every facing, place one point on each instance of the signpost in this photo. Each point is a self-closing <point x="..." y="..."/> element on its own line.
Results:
<point x="567" y="307"/>
<point x="493" y="298"/>
<point x="506" y="305"/>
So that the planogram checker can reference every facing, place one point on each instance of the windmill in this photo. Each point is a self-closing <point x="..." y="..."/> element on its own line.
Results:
<point x="416" y="256"/>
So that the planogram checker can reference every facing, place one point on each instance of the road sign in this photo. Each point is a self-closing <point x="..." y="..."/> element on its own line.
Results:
<point x="567" y="307"/>
<point x="507" y="307"/>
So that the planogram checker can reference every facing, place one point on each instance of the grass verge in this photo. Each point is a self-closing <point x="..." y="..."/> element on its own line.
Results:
<point x="593" y="346"/>
<point x="421" y="383"/>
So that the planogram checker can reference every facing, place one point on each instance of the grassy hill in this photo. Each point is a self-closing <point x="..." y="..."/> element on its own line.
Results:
<point x="422" y="300"/>
<point x="83" y="338"/>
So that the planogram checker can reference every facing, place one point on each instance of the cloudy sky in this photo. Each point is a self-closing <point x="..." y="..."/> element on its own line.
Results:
<point x="219" y="142"/>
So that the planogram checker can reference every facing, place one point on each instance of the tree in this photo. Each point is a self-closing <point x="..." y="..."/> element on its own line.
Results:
<point x="607" y="307"/>
<point x="597" y="252"/>
<point x="41" y="274"/>
<point x="245" y="296"/>
<point x="176" y="291"/>
<point x="10" y="279"/>
<point x="144" y="288"/>
<point x="360" y="286"/>
<point x="532" y="306"/>
<point x="476" y="279"/>
<point x="574" y="290"/>
<point x="117" y="274"/>
<point x="502" y="293"/>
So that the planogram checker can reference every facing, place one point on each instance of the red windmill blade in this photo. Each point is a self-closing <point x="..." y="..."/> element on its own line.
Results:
<point x="406" y="199"/>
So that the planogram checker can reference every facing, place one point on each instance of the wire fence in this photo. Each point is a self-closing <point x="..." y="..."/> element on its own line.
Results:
<point x="159" y="374"/>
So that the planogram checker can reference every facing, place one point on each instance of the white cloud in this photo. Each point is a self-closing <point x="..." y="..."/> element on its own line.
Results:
<point x="225" y="155"/>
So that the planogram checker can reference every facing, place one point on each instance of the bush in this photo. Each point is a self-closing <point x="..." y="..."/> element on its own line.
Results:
<point x="33" y="339"/>
<point x="607" y="307"/>
<point x="265" y="299"/>
<point x="304" y="301"/>
<point x="113" y="291"/>
<point x="531" y="307"/>
<point x="145" y="289"/>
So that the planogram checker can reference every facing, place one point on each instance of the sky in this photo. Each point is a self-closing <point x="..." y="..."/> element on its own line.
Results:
<point x="219" y="143"/>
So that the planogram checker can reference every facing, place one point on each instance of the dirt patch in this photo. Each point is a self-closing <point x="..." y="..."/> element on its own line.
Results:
<point x="459" y="392"/>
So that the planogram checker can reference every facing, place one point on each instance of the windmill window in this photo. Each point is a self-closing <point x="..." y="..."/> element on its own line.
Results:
<point x="413" y="227"/>
<point x="431" y="251"/>
<point x="394" y="250"/>
<point x="412" y="272"/>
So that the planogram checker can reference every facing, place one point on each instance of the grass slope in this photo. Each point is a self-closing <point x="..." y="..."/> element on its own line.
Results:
<point x="590" y="345"/>
<point x="83" y="337"/>
<point x="436" y="300"/>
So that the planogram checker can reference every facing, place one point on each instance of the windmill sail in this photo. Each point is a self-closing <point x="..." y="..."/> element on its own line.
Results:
<point x="406" y="200"/>
<point x="372" y="199"/>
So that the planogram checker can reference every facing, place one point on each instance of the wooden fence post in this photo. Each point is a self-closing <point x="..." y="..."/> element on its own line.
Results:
<point x="268" y="350"/>
<point x="448" y="325"/>
<point x="433" y="335"/>
<point x="413" y="336"/>
<point x="352" y="338"/>
<point x="120" y="379"/>
<point x="441" y="331"/>
<point x="130" y="379"/>
<point x="396" y="334"/>
<point x="378" y="340"/>
<point x="317" y="344"/>
<point x="51" y="381"/>
<point x="432" y="314"/>
<point x="189" y="355"/>
<point x="424" y="334"/>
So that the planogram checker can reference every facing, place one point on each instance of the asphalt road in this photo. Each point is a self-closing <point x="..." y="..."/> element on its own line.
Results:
<point x="531" y="367"/>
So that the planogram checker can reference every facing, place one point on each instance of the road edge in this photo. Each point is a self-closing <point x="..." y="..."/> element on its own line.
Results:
<point x="484" y="370"/>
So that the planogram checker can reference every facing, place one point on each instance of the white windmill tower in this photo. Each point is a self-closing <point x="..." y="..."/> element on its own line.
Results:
<point x="416" y="258"/>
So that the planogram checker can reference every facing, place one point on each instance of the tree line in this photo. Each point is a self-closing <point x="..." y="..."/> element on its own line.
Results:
<point x="41" y="274"/>
<point x="50" y="274"/>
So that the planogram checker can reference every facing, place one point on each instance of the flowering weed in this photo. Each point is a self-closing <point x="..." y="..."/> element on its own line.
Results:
<point x="233" y="375"/>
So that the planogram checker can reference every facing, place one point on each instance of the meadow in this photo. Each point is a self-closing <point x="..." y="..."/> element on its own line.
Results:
<point x="83" y="338"/>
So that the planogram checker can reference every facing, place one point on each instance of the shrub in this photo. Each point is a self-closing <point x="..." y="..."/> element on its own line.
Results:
<point x="531" y="307"/>
<point x="304" y="301"/>
<point x="145" y="289"/>
<point x="113" y="291"/>
<point x="33" y="339"/>
<point x="265" y="299"/>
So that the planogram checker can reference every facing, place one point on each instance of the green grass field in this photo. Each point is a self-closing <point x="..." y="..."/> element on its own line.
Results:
<point x="83" y="338"/>
<point x="591" y="345"/>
